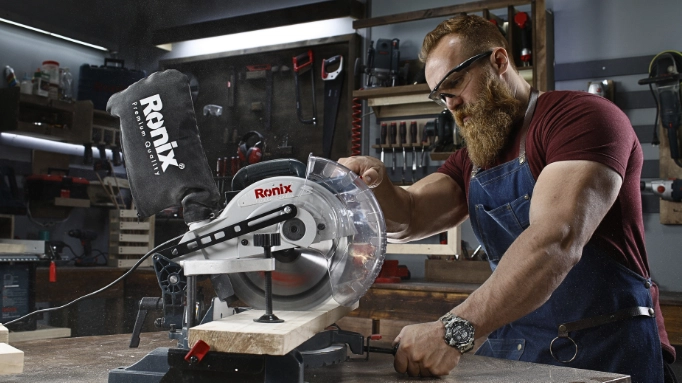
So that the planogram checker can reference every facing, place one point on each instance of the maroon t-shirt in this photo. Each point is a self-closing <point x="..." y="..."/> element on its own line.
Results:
<point x="571" y="125"/>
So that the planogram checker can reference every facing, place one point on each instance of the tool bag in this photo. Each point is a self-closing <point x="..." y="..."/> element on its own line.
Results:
<point x="98" y="83"/>
<point x="165" y="161"/>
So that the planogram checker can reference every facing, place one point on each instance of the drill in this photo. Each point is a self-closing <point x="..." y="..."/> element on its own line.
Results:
<point x="86" y="237"/>
<point x="669" y="190"/>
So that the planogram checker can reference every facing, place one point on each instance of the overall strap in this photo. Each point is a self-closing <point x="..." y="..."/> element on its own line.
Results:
<point x="532" y="101"/>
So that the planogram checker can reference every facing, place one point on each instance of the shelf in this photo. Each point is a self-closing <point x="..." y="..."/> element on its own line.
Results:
<point x="399" y="101"/>
<point x="441" y="12"/>
<point x="410" y="100"/>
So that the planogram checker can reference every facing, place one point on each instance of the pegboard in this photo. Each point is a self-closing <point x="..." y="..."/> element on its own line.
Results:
<point x="220" y="135"/>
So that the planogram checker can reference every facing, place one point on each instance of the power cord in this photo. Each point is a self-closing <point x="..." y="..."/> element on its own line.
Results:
<point x="86" y="296"/>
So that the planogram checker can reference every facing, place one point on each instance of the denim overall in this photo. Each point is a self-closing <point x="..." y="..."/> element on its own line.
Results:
<point x="605" y="308"/>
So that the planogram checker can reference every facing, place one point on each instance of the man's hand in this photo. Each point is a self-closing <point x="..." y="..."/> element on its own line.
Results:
<point x="423" y="351"/>
<point x="370" y="169"/>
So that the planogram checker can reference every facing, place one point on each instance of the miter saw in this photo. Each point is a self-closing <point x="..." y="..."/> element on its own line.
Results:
<point x="289" y="238"/>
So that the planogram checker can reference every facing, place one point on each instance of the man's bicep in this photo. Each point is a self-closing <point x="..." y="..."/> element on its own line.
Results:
<point x="437" y="204"/>
<point x="571" y="198"/>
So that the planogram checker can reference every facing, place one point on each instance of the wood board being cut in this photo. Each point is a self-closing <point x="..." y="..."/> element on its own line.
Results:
<point x="240" y="334"/>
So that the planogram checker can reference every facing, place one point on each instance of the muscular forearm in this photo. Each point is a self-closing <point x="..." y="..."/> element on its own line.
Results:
<point x="528" y="273"/>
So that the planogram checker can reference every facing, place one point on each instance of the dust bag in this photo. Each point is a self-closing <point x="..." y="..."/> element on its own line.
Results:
<point x="165" y="162"/>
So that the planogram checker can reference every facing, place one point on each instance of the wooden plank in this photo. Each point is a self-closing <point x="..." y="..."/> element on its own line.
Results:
<point x="11" y="360"/>
<point x="415" y="305"/>
<point x="404" y="99"/>
<point x="673" y="323"/>
<point x="437" y="270"/>
<point x="71" y="202"/>
<point x="671" y="212"/>
<point x="539" y="45"/>
<point x="127" y="213"/>
<point x="4" y="334"/>
<point x="41" y="333"/>
<point x="12" y="248"/>
<point x="131" y="250"/>
<point x="449" y="249"/>
<point x="392" y="91"/>
<point x="128" y="263"/>
<point x="134" y="226"/>
<point x="451" y="10"/>
<point x="133" y="237"/>
<point x="240" y="334"/>
<point x="407" y="110"/>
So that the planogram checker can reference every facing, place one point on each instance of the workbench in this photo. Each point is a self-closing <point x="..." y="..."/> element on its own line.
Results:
<point x="89" y="359"/>
<point x="395" y="305"/>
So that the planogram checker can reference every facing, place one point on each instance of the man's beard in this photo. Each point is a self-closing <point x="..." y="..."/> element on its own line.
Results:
<point x="491" y="118"/>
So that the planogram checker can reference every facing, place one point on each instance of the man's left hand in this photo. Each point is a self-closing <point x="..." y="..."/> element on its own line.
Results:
<point x="423" y="351"/>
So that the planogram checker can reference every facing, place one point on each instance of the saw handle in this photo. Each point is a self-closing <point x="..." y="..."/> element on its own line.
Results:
<point x="331" y="61"/>
<point x="303" y="61"/>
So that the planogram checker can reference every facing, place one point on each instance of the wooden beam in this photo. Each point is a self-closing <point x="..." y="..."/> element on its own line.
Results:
<point x="323" y="10"/>
<point x="451" y="10"/>
<point x="11" y="360"/>
<point x="240" y="334"/>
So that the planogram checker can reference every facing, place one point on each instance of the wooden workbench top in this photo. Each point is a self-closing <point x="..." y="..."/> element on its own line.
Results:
<point x="89" y="359"/>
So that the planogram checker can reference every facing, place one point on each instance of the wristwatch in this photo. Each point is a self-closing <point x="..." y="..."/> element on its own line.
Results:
<point x="459" y="332"/>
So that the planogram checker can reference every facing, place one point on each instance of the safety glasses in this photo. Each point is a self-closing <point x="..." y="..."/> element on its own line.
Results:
<point x="455" y="81"/>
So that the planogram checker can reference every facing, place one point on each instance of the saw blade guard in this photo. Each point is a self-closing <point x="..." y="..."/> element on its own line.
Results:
<point x="357" y="261"/>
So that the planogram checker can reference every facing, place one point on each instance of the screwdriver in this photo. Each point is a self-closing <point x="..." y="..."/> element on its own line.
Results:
<point x="394" y="132"/>
<point x="383" y="140"/>
<point x="413" y="140"/>
<point x="403" y="141"/>
<point x="425" y="141"/>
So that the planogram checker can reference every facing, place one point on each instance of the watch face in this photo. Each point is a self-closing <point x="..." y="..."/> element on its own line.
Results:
<point x="461" y="334"/>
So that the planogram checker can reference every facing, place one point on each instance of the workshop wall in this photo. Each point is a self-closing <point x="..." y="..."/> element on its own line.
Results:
<point x="585" y="30"/>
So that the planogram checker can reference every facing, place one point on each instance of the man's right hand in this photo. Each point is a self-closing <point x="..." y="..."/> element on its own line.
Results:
<point x="371" y="170"/>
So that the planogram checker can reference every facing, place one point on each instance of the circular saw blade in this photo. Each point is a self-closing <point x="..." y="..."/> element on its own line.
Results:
<point x="300" y="281"/>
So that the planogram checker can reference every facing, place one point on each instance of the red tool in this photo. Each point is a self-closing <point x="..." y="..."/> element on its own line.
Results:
<point x="197" y="352"/>
<point x="392" y="272"/>
<point x="302" y="63"/>
<point x="523" y="22"/>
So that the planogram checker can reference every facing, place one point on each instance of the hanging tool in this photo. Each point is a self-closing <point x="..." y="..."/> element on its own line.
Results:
<point x="523" y="22"/>
<point x="382" y="65"/>
<point x="403" y="141"/>
<point x="259" y="72"/>
<point x="669" y="190"/>
<point x="382" y="140"/>
<point x="428" y="132"/>
<point x="664" y="73"/>
<point x="332" y="97"/>
<point x="395" y="60"/>
<point x="393" y="135"/>
<point x="302" y="63"/>
<point x="413" y="141"/>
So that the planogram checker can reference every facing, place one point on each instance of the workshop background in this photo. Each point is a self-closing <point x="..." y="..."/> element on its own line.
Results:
<point x="618" y="36"/>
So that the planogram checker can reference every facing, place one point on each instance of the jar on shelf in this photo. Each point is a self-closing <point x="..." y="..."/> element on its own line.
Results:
<point x="52" y="70"/>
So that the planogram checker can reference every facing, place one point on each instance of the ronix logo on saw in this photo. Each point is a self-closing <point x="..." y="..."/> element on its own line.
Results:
<point x="271" y="192"/>
<point x="159" y="149"/>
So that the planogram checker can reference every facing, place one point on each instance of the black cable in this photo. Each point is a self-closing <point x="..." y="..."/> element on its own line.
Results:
<point x="122" y="277"/>
<point x="655" y="141"/>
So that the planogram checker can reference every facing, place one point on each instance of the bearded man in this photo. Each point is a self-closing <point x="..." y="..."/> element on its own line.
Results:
<point x="550" y="182"/>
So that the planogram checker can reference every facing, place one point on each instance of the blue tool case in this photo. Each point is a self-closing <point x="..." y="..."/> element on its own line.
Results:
<point x="98" y="83"/>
